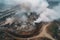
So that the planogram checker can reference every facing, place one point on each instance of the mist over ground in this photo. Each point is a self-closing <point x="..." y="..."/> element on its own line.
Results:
<point x="53" y="4"/>
<point x="50" y="12"/>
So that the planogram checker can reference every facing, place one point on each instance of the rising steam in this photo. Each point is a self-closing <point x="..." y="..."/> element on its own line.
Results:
<point x="38" y="6"/>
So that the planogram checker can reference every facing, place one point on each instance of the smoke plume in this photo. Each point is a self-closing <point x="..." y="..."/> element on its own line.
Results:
<point x="38" y="6"/>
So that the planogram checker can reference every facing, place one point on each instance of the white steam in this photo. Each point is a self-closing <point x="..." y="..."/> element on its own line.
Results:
<point x="48" y="15"/>
<point x="38" y="6"/>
